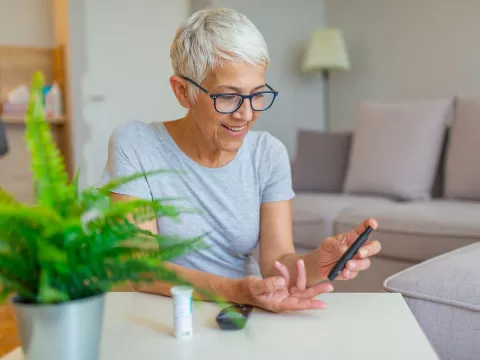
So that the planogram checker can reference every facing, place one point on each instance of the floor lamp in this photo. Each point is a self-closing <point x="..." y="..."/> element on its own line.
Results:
<point x="326" y="52"/>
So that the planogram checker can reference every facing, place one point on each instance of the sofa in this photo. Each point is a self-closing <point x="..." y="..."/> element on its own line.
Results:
<point x="443" y="293"/>
<point x="413" y="166"/>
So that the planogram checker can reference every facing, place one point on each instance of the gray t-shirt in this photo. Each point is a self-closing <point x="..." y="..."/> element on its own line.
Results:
<point x="229" y="197"/>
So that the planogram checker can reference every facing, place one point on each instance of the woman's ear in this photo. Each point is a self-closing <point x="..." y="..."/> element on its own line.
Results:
<point x="180" y="89"/>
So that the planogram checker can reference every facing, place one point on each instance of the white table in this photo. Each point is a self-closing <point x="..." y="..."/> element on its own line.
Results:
<point x="355" y="326"/>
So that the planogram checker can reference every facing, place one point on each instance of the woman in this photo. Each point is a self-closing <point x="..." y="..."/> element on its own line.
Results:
<point x="240" y="178"/>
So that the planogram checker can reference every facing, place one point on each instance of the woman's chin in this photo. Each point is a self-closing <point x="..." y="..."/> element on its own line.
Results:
<point x="231" y="145"/>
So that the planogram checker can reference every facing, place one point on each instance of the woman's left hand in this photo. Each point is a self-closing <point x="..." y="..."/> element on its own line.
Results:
<point x="332" y="249"/>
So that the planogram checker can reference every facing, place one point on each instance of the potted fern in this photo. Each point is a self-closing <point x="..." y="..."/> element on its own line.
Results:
<point x="60" y="256"/>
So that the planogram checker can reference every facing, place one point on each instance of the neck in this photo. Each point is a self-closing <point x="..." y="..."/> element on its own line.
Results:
<point x="192" y="142"/>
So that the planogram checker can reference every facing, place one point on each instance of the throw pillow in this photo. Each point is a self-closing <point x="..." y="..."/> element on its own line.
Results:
<point x="462" y="170"/>
<point x="321" y="161"/>
<point x="396" y="149"/>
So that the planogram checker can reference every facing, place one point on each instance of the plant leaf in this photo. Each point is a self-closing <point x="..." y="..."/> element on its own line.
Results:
<point x="4" y="294"/>
<point x="6" y="198"/>
<point x="75" y="188"/>
<point x="114" y="183"/>
<point x="47" y="294"/>
<point x="50" y="177"/>
<point x="33" y="216"/>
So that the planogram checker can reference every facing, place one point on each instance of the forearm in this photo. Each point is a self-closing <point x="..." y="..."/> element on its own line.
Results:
<point x="289" y="260"/>
<point x="226" y="289"/>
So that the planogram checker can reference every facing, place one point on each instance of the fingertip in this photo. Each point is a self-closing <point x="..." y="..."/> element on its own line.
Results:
<point x="373" y="223"/>
<point x="319" y="304"/>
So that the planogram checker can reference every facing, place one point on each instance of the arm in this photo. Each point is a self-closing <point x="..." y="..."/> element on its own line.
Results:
<point x="276" y="243"/>
<point x="226" y="288"/>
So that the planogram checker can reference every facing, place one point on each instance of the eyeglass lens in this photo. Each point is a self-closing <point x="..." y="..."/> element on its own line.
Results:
<point x="229" y="103"/>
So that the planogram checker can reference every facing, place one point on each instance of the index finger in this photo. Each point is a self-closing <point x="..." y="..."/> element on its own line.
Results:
<point x="365" y="223"/>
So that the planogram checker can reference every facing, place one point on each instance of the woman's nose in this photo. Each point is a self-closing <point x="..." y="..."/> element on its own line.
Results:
<point x="244" y="112"/>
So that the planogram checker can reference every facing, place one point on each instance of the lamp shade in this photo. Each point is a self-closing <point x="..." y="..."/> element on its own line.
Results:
<point x="326" y="51"/>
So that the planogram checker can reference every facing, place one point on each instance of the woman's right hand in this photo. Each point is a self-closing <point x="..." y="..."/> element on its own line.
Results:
<point x="276" y="294"/>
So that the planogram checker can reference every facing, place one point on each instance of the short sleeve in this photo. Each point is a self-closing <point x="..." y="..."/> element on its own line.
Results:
<point x="278" y="180"/>
<point x="124" y="159"/>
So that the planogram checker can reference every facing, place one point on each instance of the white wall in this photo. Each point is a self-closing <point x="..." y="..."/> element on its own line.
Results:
<point x="286" y="26"/>
<point x="120" y="69"/>
<point x="26" y="23"/>
<point x="404" y="50"/>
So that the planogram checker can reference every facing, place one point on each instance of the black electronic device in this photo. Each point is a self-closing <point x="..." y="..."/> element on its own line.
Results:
<point x="349" y="254"/>
<point x="234" y="317"/>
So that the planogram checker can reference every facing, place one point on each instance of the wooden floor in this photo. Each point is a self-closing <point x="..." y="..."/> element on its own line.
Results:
<point x="8" y="331"/>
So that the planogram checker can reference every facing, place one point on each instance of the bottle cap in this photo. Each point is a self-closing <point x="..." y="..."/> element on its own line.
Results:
<point x="182" y="291"/>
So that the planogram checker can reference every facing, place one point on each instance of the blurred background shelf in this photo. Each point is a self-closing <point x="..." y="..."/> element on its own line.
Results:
<point x="20" y="119"/>
<point x="17" y="65"/>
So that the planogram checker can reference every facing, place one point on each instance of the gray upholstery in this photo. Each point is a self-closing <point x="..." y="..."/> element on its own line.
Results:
<point x="396" y="149"/>
<point x="321" y="161"/>
<point x="417" y="231"/>
<point x="314" y="214"/>
<point x="444" y="295"/>
<point x="462" y="175"/>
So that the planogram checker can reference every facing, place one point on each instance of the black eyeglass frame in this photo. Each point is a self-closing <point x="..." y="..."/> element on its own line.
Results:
<point x="216" y="96"/>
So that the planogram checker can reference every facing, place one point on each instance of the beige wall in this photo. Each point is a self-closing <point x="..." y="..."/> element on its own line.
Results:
<point x="26" y="23"/>
<point x="404" y="50"/>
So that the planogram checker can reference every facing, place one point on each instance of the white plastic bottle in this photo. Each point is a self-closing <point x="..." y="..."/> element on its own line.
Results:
<point x="56" y="100"/>
<point x="182" y="311"/>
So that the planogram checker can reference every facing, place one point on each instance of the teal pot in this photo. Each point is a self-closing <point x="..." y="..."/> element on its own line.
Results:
<point x="64" y="331"/>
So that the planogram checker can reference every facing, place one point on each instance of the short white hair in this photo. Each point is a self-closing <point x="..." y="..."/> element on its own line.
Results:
<point x="212" y="37"/>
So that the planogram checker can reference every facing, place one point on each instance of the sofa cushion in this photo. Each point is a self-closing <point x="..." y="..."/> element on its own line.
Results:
<point x="444" y="296"/>
<point x="462" y="176"/>
<point x="321" y="161"/>
<point x="314" y="214"/>
<point x="417" y="231"/>
<point x="396" y="149"/>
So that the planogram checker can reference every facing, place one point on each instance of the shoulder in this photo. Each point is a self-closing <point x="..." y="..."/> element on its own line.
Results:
<point x="136" y="136"/>
<point x="130" y="131"/>
<point x="266" y="145"/>
<point x="135" y="142"/>
<point x="267" y="152"/>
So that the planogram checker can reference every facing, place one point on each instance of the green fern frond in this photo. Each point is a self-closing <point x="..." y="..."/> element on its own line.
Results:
<point x="6" y="198"/>
<point x="48" y="168"/>
<point x="142" y="208"/>
<point x="4" y="294"/>
<point x="113" y="184"/>
<point x="74" y="184"/>
<point x="33" y="217"/>
<point x="47" y="294"/>
<point x="73" y="244"/>
<point x="10" y="281"/>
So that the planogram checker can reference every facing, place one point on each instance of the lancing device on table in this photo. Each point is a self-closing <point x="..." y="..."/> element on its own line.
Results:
<point x="350" y="253"/>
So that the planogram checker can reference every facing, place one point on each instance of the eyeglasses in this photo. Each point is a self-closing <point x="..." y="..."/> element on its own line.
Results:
<point x="231" y="102"/>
